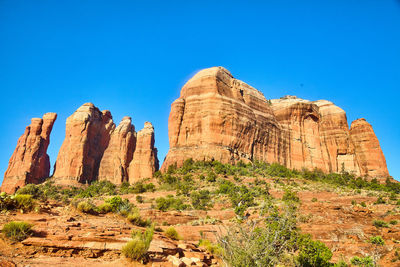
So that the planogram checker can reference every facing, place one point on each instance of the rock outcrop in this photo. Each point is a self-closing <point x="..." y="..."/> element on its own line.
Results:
<point x="87" y="136"/>
<point x="367" y="149"/>
<point x="219" y="117"/>
<point x="30" y="163"/>
<point x="94" y="149"/>
<point x="119" y="153"/>
<point x="145" y="161"/>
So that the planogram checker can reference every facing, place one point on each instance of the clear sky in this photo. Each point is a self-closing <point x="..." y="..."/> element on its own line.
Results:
<point x="132" y="58"/>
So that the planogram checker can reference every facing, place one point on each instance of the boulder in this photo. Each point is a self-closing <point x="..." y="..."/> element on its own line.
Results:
<point x="30" y="164"/>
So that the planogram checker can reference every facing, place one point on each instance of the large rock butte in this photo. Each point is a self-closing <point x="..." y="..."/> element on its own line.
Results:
<point x="30" y="164"/>
<point x="94" y="149"/>
<point x="145" y="161"/>
<point x="219" y="117"/>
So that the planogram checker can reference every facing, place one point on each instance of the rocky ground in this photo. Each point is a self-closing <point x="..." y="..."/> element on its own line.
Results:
<point x="64" y="236"/>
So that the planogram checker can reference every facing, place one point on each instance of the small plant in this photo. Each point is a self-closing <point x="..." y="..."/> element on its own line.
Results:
<point x="393" y="222"/>
<point x="377" y="240"/>
<point x="17" y="231"/>
<point x="211" y="177"/>
<point x="379" y="223"/>
<point x="314" y="253"/>
<point x="380" y="200"/>
<point x="137" y="220"/>
<point x="210" y="247"/>
<point x="104" y="208"/>
<point x="137" y="248"/>
<point x="353" y="202"/>
<point x="201" y="200"/>
<point x="363" y="204"/>
<point x="24" y="202"/>
<point x="172" y="233"/>
<point x="290" y="196"/>
<point x="314" y="199"/>
<point x="364" y="262"/>
<point x="170" y="202"/>
<point x="86" y="207"/>
<point x="139" y="199"/>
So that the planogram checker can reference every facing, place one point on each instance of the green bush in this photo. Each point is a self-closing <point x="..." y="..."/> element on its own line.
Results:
<point x="98" y="188"/>
<point x="87" y="207"/>
<point x="241" y="198"/>
<point x="122" y="206"/>
<point x="137" y="248"/>
<point x="377" y="240"/>
<point x="211" y="177"/>
<point x="137" y="220"/>
<point x="172" y="233"/>
<point x="379" y="223"/>
<point x="313" y="253"/>
<point x="380" y="200"/>
<point x="314" y="199"/>
<point x="105" y="208"/>
<point x="363" y="204"/>
<point x="393" y="222"/>
<point x="210" y="247"/>
<point x="363" y="262"/>
<point x="24" y="202"/>
<point x="170" y="202"/>
<point x="290" y="196"/>
<point x="17" y="231"/>
<point x="201" y="200"/>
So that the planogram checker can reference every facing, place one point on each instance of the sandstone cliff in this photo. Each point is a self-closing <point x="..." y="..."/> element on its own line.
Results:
<point x="30" y="163"/>
<point x="86" y="137"/>
<point x="119" y="153"/>
<point x="219" y="117"/>
<point x="145" y="161"/>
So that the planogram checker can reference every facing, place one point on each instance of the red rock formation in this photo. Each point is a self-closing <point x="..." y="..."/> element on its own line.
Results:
<point x="30" y="163"/>
<point x="368" y="152"/>
<point x="145" y="161"/>
<point x="87" y="136"/>
<point x="119" y="153"/>
<point x="219" y="117"/>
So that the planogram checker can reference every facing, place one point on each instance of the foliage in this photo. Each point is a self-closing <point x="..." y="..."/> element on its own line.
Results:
<point x="377" y="240"/>
<point x="380" y="200"/>
<point x="137" y="248"/>
<point x="290" y="196"/>
<point x="136" y="188"/>
<point x="363" y="262"/>
<point x="210" y="247"/>
<point x="172" y="233"/>
<point x="17" y="231"/>
<point x="135" y="218"/>
<point x="313" y="253"/>
<point x="201" y="200"/>
<point x="123" y="206"/>
<point x="20" y="201"/>
<point x="105" y="208"/>
<point x="87" y="207"/>
<point x="170" y="202"/>
<point x="379" y="223"/>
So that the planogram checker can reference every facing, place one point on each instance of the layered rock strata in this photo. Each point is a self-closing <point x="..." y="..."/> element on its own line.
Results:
<point x="145" y="161"/>
<point x="219" y="117"/>
<point x="119" y="153"/>
<point x="30" y="164"/>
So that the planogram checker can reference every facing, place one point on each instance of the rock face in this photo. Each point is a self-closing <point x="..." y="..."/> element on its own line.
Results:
<point x="94" y="149"/>
<point x="368" y="151"/>
<point x="30" y="163"/>
<point x="119" y="153"/>
<point x="86" y="137"/>
<point x="145" y="161"/>
<point x="219" y="117"/>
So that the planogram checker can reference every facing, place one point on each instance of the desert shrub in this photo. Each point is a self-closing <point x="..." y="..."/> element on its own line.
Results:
<point x="251" y="244"/>
<point x="172" y="233"/>
<point x="170" y="202"/>
<point x="379" y="223"/>
<point x="139" y="199"/>
<point x="123" y="206"/>
<point x="137" y="248"/>
<point x="201" y="200"/>
<point x="6" y="202"/>
<point x="30" y="189"/>
<point x="17" y="231"/>
<point x="105" y="208"/>
<point x="314" y="199"/>
<point x="225" y="187"/>
<point x="211" y="177"/>
<point x="210" y="247"/>
<point x="363" y="262"/>
<point x="353" y="202"/>
<point x="393" y="222"/>
<point x="98" y="188"/>
<point x="380" y="200"/>
<point x="313" y="253"/>
<point x="363" y="204"/>
<point x="275" y="169"/>
<point x="86" y="207"/>
<point x="24" y="202"/>
<point x="290" y="195"/>
<point x="377" y="240"/>
<point x="241" y="199"/>
<point x="135" y="218"/>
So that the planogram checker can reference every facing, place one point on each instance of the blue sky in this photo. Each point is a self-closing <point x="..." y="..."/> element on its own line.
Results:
<point x="132" y="58"/>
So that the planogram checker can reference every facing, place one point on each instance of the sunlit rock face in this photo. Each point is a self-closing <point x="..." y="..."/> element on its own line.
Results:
<point x="87" y="136"/>
<point x="219" y="117"/>
<point x="145" y="161"/>
<point x="30" y="164"/>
